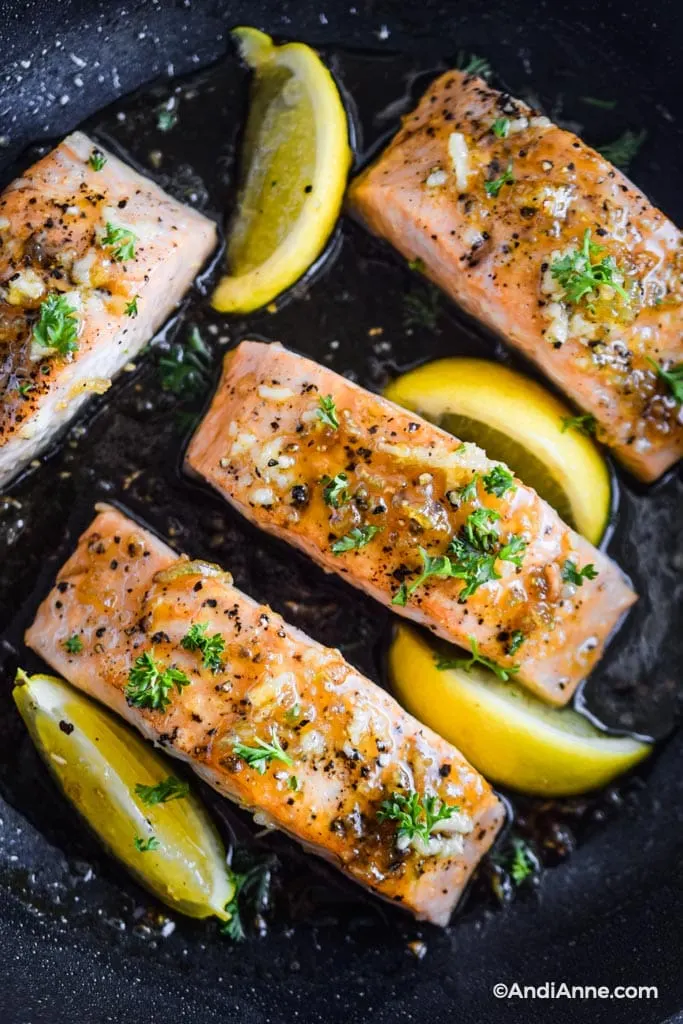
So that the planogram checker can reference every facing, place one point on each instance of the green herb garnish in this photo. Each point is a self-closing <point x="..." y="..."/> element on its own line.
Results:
<point x="24" y="387"/>
<point x="293" y="783"/>
<point x="260" y="756"/>
<point x="167" y="118"/>
<point x="439" y="566"/>
<point x="580" y="277"/>
<point x="624" y="149"/>
<point x="422" y="309"/>
<point x="145" y="845"/>
<point x="513" y="550"/>
<point x="327" y="412"/>
<point x="494" y="186"/>
<point x="252" y="888"/>
<point x="417" y="264"/>
<point x="97" y="159"/>
<point x="469" y="491"/>
<point x="132" y="307"/>
<point x="415" y="818"/>
<point x="501" y="127"/>
<point x="499" y="481"/>
<point x="522" y="864"/>
<point x="673" y="377"/>
<point x="476" y="658"/>
<point x="73" y="644"/>
<point x="149" y="684"/>
<point x="358" y="537"/>
<point x="593" y="101"/>
<point x="121" y="241"/>
<point x="185" y="369"/>
<point x="517" y="638"/>
<point x="334" y="489"/>
<point x="473" y="65"/>
<point x="585" y="424"/>
<point x="478" y="528"/>
<point x="570" y="573"/>
<point x="57" y="325"/>
<point x="211" y="647"/>
<point x="168" y="789"/>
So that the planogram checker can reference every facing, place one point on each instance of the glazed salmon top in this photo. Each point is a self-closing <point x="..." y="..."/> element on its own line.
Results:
<point x="542" y="239"/>
<point x="405" y="511"/>
<point x="93" y="257"/>
<point x="342" y="744"/>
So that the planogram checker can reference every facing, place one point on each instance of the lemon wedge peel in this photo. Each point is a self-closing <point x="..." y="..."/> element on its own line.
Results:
<point x="308" y="235"/>
<point x="97" y="765"/>
<point x="510" y="736"/>
<point x="518" y="407"/>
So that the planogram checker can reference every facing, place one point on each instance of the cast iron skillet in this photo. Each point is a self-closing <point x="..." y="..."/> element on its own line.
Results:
<point x="73" y="946"/>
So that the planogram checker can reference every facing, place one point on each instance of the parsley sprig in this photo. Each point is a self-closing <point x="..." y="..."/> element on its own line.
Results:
<point x="581" y="278"/>
<point x="673" y="378"/>
<point x="211" y="647"/>
<point x="584" y="424"/>
<point x="475" y="658"/>
<point x="73" y="644"/>
<point x="97" y="159"/>
<point x="494" y="185"/>
<point x="571" y="574"/>
<point x="131" y="308"/>
<point x="252" y="891"/>
<point x="184" y="370"/>
<point x="438" y="565"/>
<point x="499" y="481"/>
<point x="327" y="412"/>
<point x="358" y="537"/>
<point x="260" y="756"/>
<point x="415" y="817"/>
<point x="57" y="325"/>
<point x="624" y="149"/>
<point x="334" y="489"/>
<point x="170" y="788"/>
<point x="522" y="863"/>
<point x="145" y="845"/>
<point x="501" y="127"/>
<point x="121" y="241"/>
<point x="149" y="683"/>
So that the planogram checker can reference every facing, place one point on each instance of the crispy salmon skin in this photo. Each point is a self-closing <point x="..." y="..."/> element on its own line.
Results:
<point x="504" y="210"/>
<point x="406" y="512"/>
<point x="93" y="258"/>
<point x="342" y="745"/>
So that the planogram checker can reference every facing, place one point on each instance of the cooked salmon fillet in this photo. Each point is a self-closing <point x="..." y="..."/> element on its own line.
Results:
<point x="381" y="495"/>
<point x="501" y="206"/>
<point x="342" y="745"/>
<point x="93" y="258"/>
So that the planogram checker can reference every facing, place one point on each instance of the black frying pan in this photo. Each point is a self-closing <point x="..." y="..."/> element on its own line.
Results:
<point x="78" y="941"/>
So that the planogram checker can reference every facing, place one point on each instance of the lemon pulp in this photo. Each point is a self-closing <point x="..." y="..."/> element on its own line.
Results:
<point x="510" y="736"/>
<point x="295" y="160"/>
<point x="97" y="761"/>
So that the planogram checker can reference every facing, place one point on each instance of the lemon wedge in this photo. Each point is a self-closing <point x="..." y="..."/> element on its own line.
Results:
<point x="518" y="422"/>
<point x="172" y="848"/>
<point x="507" y="734"/>
<point x="295" y="161"/>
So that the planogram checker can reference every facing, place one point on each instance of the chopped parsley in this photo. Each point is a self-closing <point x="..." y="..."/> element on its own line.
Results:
<point x="97" y="159"/>
<point x="593" y="101"/>
<point x="168" y="789"/>
<point x="293" y="714"/>
<point x="358" y="537"/>
<point x="673" y="377"/>
<point x="469" y="491"/>
<point x="517" y="638"/>
<point x="494" y="186"/>
<point x="439" y="566"/>
<point x="327" y="412"/>
<point x="184" y="370"/>
<point x="522" y="862"/>
<point x="479" y="530"/>
<point x="499" y="481"/>
<point x="260" y="756"/>
<point x="167" y="118"/>
<point x="624" y="149"/>
<point x="57" y="325"/>
<point x="252" y="889"/>
<point x="334" y="489"/>
<point x="149" y="684"/>
<point x="211" y="647"/>
<point x="475" y="658"/>
<point x="570" y="573"/>
<point x="415" y="818"/>
<point x="145" y="845"/>
<point x="472" y="566"/>
<point x="513" y="550"/>
<point x="121" y="241"/>
<point x="24" y="386"/>
<point x="585" y="424"/>
<point x="474" y="65"/>
<point x="293" y="783"/>
<point x="73" y="644"/>
<point x="581" y="278"/>
<point x="132" y="307"/>
<point x="501" y="127"/>
<point x="417" y="264"/>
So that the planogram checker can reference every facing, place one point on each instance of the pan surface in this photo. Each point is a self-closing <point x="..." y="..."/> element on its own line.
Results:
<point x="79" y="942"/>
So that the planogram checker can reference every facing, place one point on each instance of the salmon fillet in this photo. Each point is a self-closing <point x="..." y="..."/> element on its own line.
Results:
<point x="344" y="745"/>
<point x="496" y="202"/>
<point x="93" y="258"/>
<point x="384" y="494"/>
